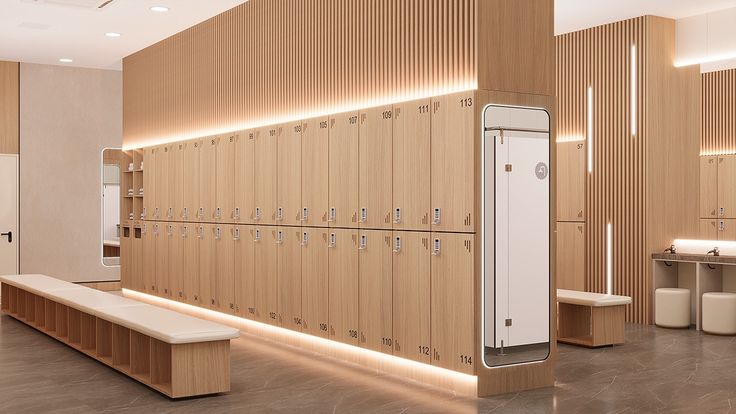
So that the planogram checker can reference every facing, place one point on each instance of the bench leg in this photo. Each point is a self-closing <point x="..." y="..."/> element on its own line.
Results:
<point x="200" y="368"/>
<point x="608" y="325"/>
<point x="574" y="324"/>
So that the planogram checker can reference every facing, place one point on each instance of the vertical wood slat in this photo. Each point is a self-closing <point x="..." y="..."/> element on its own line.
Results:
<point x="264" y="62"/>
<point x="718" y="103"/>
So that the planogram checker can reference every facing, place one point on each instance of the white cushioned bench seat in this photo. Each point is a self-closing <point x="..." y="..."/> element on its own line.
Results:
<point x="591" y="299"/>
<point x="39" y="284"/>
<point x="89" y="300"/>
<point x="166" y="325"/>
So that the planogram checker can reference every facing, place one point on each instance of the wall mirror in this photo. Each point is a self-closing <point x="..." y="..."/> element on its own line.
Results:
<point x="516" y="235"/>
<point x="110" y="242"/>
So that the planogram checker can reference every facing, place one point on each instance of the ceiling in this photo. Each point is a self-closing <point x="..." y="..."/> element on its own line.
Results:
<point x="44" y="31"/>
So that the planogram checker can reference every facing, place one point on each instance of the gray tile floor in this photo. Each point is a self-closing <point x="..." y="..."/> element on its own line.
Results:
<point x="658" y="370"/>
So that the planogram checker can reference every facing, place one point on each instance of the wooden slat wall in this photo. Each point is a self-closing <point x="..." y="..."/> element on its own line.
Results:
<point x="9" y="108"/>
<point x="289" y="59"/>
<point x="718" y="131"/>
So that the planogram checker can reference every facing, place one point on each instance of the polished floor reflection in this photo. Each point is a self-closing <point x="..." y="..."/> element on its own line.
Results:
<point x="658" y="370"/>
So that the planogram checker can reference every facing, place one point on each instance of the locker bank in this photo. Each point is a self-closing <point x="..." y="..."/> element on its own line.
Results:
<point x="451" y="206"/>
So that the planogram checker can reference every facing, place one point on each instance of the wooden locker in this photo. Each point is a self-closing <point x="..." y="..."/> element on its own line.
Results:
<point x="453" y="143"/>
<point x="708" y="187"/>
<point x="375" y="146"/>
<point x="708" y="229"/>
<point x="224" y="287"/>
<point x="315" y="282"/>
<point x="453" y="304"/>
<point x="411" y="154"/>
<point x="266" y="275"/>
<point x="571" y="255"/>
<point x="191" y="179"/>
<point x="190" y="264"/>
<point x="315" y="172"/>
<point x="289" y="162"/>
<point x="726" y="187"/>
<point x="727" y="229"/>
<point x="245" y="178"/>
<point x="176" y="180"/>
<point x="162" y="198"/>
<point x="148" y="244"/>
<point x="571" y="172"/>
<point x="207" y="264"/>
<point x="343" y="160"/>
<point x="245" y="305"/>
<point x="290" y="277"/>
<point x="375" y="288"/>
<point x="161" y="235"/>
<point x="149" y="182"/>
<point x="176" y="264"/>
<point x="343" y="285"/>
<point x="411" y="292"/>
<point x="137" y="259"/>
<point x="225" y="193"/>
<point x="126" y="273"/>
<point x="266" y="173"/>
<point x="208" y="180"/>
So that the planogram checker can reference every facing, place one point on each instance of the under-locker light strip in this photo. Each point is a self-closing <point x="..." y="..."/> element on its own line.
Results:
<point x="633" y="90"/>
<point x="570" y="138"/>
<point x="706" y="59"/>
<point x="727" y="248"/>
<point x="356" y="106"/>
<point x="609" y="259"/>
<point x="325" y="344"/>
<point x="590" y="129"/>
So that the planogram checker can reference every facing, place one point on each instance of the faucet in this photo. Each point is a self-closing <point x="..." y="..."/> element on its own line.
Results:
<point x="672" y="249"/>
<point x="715" y="251"/>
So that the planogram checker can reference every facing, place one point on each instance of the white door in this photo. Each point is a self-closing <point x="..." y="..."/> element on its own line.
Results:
<point x="8" y="214"/>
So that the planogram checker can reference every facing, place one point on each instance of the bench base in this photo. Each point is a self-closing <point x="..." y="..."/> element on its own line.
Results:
<point x="176" y="370"/>
<point x="590" y="326"/>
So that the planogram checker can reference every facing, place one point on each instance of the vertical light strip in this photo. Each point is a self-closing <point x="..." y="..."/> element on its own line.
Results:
<point x="609" y="259"/>
<point x="633" y="90"/>
<point x="590" y="129"/>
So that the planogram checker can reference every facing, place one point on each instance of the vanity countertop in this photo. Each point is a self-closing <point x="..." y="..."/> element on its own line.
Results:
<point x="692" y="257"/>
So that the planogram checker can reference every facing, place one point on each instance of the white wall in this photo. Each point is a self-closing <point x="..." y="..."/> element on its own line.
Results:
<point x="68" y="115"/>
<point x="709" y="39"/>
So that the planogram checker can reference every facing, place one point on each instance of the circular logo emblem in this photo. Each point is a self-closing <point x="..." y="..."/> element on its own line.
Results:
<point x="541" y="170"/>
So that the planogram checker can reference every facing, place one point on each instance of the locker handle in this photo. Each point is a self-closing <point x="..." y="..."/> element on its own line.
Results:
<point x="185" y="213"/>
<point x="257" y="237"/>
<point x="333" y="214"/>
<point x="279" y="237"/>
<point x="144" y="213"/>
<point x="218" y="233"/>
<point x="363" y="215"/>
<point x="397" y="215"/>
<point x="236" y="234"/>
<point x="258" y="213"/>
<point x="200" y="213"/>
<point x="200" y="232"/>
<point x="721" y="211"/>
<point x="305" y="238"/>
<point x="436" y="247"/>
<point x="305" y="214"/>
<point x="170" y="213"/>
<point x="279" y="213"/>
<point x="184" y="231"/>
<point x="218" y="212"/>
<point x="397" y="244"/>
<point x="236" y="213"/>
<point x="333" y="240"/>
<point x="436" y="216"/>
<point x="363" y="242"/>
<point x="156" y="213"/>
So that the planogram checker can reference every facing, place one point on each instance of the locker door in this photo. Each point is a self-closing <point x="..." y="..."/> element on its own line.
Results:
<point x="343" y="160"/>
<point x="208" y="180"/>
<point x="315" y="172"/>
<point x="190" y="266"/>
<point x="266" y="275"/>
<point x="245" y="177"/>
<point x="225" y="194"/>
<point x="375" y="141"/>
<point x="726" y="189"/>
<point x="266" y="172"/>
<point x="343" y="285"/>
<point x="224" y="287"/>
<point x="137" y="260"/>
<point x="708" y="229"/>
<point x="375" y="290"/>
<point x="570" y="255"/>
<point x="453" y="301"/>
<point x="207" y="264"/>
<point x="315" y="279"/>
<point x="290" y="277"/>
<point x="149" y="182"/>
<point x="411" y="311"/>
<point x="191" y="181"/>
<point x="727" y="229"/>
<point x="289" y="188"/>
<point x="411" y="172"/>
<point x="176" y="265"/>
<point x="148" y="235"/>
<point x="708" y="187"/>
<point x="126" y="273"/>
<point x="571" y="172"/>
<point x="162" y="185"/>
<point x="453" y="146"/>
<point x="161" y="281"/>
<point x="176" y="180"/>
<point x="245" y="305"/>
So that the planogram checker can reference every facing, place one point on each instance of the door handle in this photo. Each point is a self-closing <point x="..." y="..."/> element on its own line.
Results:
<point x="9" y="234"/>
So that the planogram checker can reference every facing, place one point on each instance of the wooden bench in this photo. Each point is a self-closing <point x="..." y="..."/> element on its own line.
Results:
<point x="175" y="354"/>
<point x="590" y="319"/>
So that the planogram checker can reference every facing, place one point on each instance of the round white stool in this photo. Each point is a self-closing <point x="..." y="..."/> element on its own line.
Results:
<point x="719" y="313"/>
<point x="672" y="307"/>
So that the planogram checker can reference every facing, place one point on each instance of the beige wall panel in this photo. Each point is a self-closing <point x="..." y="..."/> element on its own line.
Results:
<point x="191" y="180"/>
<point x="571" y="172"/>
<point x="207" y="264"/>
<point x="161" y="279"/>
<point x="343" y="159"/>
<point x="162" y="199"/>
<point x="137" y="260"/>
<point x="245" y="304"/>
<point x="176" y="180"/>
<point x="190" y="264"/>
<point x="718" y="99"/>
<point x="289" y="166"/>
<point x="375" y="290"/>
<point x="315" y="279"/>
<point x="708" y="187"/>
<point x="245" y="179"/>
<point x="290" y="278"/>
<point x="315" y="171"/>
<point x="176" y="262"/>
<point x="126" y="260"/>
<point x="266" y="275"/>
<point x="266" y="175"/>
<point x="226" y="156"/>
<point x="343" y="285"/>
<point x="570" y="256"/>
<point x="149" y="182"/>
<point x="375" y="145"/>
<point x="10" y="102"/>
<point x="225" y="278"/>
<point x="411" y="160"/>
<point x="207" y="179"/>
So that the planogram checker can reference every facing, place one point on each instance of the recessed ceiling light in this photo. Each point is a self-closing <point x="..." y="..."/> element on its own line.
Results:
<point x="112" y="34"/>
<point x="65" y="60"/>
<point x="159" y="9"/>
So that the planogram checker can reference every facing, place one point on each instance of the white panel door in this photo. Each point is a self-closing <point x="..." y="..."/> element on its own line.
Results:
<point x="522" y="240"/>
<point x="9" y="214"/>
